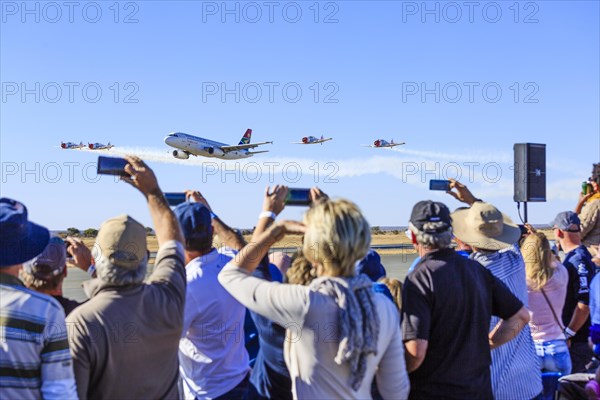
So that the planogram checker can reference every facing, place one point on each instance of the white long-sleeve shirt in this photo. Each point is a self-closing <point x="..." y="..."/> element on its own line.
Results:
<point x="311" y="320"/>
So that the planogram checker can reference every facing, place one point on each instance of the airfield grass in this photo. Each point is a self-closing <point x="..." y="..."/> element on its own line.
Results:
<point x="296" y="241"/>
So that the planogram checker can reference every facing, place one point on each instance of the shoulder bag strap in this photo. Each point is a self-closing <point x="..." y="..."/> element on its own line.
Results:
<point x="552" y="309"/>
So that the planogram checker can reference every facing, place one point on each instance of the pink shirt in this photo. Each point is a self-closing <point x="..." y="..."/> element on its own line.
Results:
<point x="543" y="324"/>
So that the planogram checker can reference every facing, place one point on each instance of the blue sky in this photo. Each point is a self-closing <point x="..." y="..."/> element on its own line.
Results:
<point x="497" y="74"/>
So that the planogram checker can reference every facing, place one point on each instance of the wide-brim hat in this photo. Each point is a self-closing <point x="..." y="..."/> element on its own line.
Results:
<point x="483" y="226"/>
<point x="20" y="239"/>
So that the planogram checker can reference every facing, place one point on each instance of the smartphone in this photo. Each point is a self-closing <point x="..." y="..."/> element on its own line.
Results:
<point x="298" y="197"/>
<point x="175" y="198"/>
<point x="436" y="184"/>
<point x="112" y="166"/>
<point x="69" y="257"/>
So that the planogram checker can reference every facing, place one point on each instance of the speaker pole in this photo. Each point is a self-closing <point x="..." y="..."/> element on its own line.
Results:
<point x="525" y="212"/>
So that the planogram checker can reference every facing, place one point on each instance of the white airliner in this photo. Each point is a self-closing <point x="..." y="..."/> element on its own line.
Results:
<point x="187" y="145"/>
<point x="71" y="145"/>
<point x="100" y="146"/>
<point x="312" y="140"/>
<point x="381" y="143"/>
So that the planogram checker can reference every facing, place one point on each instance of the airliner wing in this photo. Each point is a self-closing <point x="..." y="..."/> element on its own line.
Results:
<point x="258" y="152"/>
<point x="227" y="149"/>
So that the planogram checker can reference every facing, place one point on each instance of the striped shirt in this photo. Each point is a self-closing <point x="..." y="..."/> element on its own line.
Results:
<point x="515" y="365"/>
<point x="35" y="361"/>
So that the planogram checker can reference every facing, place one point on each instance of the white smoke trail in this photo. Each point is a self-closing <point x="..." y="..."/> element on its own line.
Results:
<point x="492" y="175"/>
<point x="499" y="157"/>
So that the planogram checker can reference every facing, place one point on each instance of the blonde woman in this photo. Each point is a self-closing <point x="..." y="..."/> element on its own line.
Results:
<point x="547" y="281"/>
<point x="340" y="333"/>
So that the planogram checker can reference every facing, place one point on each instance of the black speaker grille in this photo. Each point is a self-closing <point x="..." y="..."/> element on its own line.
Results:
<point x="530" y="172"/>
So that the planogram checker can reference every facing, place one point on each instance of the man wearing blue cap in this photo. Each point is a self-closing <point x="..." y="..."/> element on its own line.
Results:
<point x="34" y="351"/>
<point x="213" y="360"/>
<point x="578" y="261"/>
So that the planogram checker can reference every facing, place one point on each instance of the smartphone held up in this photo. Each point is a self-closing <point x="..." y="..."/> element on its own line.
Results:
<point x="112" y="166"/>
<point x="437" y="184"/>
<point x="298" y="197"/>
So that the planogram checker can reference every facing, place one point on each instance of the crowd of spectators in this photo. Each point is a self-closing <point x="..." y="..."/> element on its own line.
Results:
<point x="485" y="312"/>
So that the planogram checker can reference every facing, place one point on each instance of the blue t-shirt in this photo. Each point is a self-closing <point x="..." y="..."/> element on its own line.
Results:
<point x="270" y="376"/>
<point x="581" y="271"/>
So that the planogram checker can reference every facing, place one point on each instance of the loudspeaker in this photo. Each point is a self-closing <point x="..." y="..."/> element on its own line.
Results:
<point x="530" y="172"/>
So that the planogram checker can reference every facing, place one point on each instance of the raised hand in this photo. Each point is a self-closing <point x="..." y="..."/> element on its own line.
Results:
<point x="274" y="200"/>
<point x="140" y="176"/>
<point x="82" y="256"/>
<point x="461" y="192"/>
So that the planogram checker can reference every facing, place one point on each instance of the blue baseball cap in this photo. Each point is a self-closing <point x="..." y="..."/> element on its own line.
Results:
<point x="371" y="266"/>
<point x="567" y="221"/>
<point x="20" y="239"/>
<point x="195" y="220"/>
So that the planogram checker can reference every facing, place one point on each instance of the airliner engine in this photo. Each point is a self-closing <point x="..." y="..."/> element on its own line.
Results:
<point x="182" y="155"/>
<point x="214" y="151"/>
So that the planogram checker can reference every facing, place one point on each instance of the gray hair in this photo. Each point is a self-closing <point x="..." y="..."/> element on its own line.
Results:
<point x="438" y="241"/>
<point x="34" y="283"/>
<point x="110" y="273"/>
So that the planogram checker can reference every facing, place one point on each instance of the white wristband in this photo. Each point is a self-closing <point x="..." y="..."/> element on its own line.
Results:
<point x="569" y="333"/>
<point x="267" y="214"/>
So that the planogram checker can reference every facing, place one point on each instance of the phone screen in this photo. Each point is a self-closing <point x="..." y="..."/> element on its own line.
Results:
<point x="112" y="166"/>
<point x="298" y="197"/>
<point x="174" y="198"/>
<point x="437" y="184"/>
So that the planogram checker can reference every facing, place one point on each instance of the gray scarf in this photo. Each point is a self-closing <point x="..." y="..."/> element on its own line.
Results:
<point x="358" y="321"/>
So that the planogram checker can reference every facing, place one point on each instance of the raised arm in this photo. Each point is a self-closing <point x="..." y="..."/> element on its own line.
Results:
<point x="143" y="178"/>
<point x="583" y="198"/>
<point x="251" y="255"/>
<point x="273" y="205"/>
<point x="228" y="235"/>
<point x="461" y="193"/>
